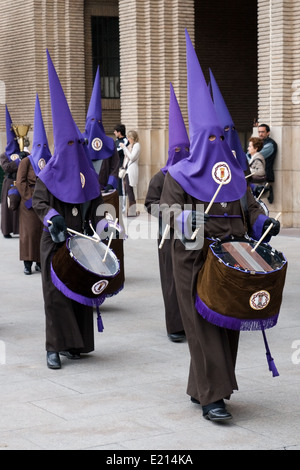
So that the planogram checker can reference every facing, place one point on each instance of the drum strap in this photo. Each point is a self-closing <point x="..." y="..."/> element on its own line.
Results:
<point x="245" y="211"/>
<point x="83" y="208"/>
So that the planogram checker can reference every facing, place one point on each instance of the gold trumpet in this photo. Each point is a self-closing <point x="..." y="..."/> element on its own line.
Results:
<point x="21" y="131"/>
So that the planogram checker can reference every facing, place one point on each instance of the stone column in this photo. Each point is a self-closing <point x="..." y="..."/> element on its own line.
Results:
<point x="152" y="54"/>
<point x="279" y="99"/>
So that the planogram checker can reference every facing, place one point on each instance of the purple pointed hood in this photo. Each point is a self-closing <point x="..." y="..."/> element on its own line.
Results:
<point x="178" y="137"/>
<point x="211" y="160"/>
<point x="230" y="132"/>
<point x="12" y="149"/>
<point x="68" y="175"/>
<point x="100" y="146"/>
<point x="40" y="152"/>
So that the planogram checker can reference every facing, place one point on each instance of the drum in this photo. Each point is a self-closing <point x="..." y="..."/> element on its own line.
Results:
<point x="263" y="206"/>
<point x="13" y="198"/>
<point x="110" y="202"/>
<point x="241" y="289"/>
<point x="79" y="272"/>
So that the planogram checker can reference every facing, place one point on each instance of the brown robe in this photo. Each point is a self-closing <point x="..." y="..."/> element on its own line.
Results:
<point x="9" y="218"/>
<point x="109" y="167"/>
<point x="31" y="227"/>
<point x="172" y="311"/>
<point x="213" y="350"/>
<point x="69" y="324"/>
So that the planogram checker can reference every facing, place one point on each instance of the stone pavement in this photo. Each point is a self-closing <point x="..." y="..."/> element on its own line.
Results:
<point x="130" y="393"/>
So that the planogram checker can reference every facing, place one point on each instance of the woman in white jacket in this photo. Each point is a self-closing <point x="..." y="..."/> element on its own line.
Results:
<point x="131" y="163"/>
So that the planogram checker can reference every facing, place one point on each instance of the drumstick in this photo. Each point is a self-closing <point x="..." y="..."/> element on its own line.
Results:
<point x="208" y="208"/>
<point x="261" y="193"/>
<point x="109" y="241"/>
<point x="78" y="233"/>
<point x="166" y="231"/>
<point x="265" y="233"/>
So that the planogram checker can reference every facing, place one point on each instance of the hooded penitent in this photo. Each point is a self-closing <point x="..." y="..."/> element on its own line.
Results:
<point x="230" y="132"/>
<point x="68" y="175"/>
<point x="179" y="142"/>
<point x="12" y="149"/>
<point x="100" y="146"/>
<point x="211" y="161"/>
<point x="40" y="152"/>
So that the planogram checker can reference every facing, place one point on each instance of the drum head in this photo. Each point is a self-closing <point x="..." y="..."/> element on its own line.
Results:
<point x="239" y="255"/>
<point x="90" y="254"/>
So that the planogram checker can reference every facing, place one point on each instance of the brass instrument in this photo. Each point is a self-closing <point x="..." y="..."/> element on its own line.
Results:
<point x="21" y="131"/>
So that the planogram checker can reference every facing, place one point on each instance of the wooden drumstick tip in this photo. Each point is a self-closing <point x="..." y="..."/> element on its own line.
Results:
<point x="262" y="191"/>
<point x="109" y="242"/>
<point x="166" y="231"/>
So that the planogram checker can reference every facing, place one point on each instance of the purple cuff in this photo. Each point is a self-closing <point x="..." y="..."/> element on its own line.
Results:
<point x="113" y="181"/>
<point x="49" y="216"/>
<point x="28" y="204"/>
<point x="182" y="225"/>
<point x="257" y="228"/>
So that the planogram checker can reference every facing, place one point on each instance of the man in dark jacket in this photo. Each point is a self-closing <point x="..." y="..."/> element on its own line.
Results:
<point x="269" y="152"/>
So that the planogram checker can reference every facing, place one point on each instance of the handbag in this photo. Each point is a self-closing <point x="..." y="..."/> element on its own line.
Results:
<point x="122" y="173"/>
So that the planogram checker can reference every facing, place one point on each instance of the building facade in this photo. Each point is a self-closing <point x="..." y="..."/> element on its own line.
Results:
<point x="251" y="48"/>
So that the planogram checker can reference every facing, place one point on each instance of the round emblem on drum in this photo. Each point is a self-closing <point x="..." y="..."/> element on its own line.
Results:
<point x="97" y="144"/>
<point x="82" y="179"/>
<point x="99" y="286"/>
<point x="259" y="300"/>
<point x="41" y="163"/>
<point x="221" y="173"/>
<point x="14" y="157"/>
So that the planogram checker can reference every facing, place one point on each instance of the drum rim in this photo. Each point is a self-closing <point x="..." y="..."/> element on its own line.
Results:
<point x="111" y="253"/>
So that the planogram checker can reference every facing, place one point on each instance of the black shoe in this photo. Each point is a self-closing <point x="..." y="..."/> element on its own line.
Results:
<point x="7" y="236"/>
<point x="71" y="354"/>
<point x="38" y="267"/>
<point x="194" y="400"/>
<point x="27" y="267"/>
<point x="53" y="360"/>
<point x="176" y="337"/>
<point x="271" y="195"/>
<point x="134" y="215"/>
<point x="218" y="414"/>
<point x="216" y="411"/>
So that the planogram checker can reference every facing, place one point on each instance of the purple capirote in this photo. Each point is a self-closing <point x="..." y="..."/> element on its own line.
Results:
<point x="178" y="136"/>
<point x="100" y="146"/>
<point x="40" y="152"/>
<point x="230" y="132"/>
<point x="211" y="161"/>
<point x="68" y="175"/>
<point x="12" y="146"/>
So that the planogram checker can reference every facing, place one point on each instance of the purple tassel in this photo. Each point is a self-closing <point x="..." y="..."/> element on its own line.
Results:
<point x="270" y="359"/>
<point x="272" y="366"/>
<point x="99" y="321"/>
<point x="243" y="325"/>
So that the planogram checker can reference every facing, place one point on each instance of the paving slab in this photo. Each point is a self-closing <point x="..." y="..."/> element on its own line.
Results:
<point x="130" y="393"/>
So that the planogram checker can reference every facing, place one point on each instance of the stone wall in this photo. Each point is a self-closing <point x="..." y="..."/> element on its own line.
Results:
<point x="279" y="98"/>
<point x="152" y="55"/>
